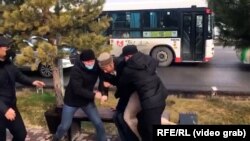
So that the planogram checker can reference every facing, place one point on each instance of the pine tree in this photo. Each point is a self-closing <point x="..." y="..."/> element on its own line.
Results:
<point x="232" y="19"/>
<point x="74" y="22"/>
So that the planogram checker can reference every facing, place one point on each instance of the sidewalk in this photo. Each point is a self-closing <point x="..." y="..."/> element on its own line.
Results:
<point x="38" y="134"/>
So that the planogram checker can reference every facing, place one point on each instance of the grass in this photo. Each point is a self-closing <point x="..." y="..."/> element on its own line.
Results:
<point x="32" y="106"/>
<point x="209" y="110"/>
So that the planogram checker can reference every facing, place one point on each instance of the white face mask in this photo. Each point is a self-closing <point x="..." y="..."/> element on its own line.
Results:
<point x="89" y="64"/>
<point x="90" y="67"/>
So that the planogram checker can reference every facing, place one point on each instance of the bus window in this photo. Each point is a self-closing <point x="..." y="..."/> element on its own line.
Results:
<point x="135" y="20"/>
<point x="120" y="20"/>
<point x="150" y="19"/>
<point x="116" y="34"/>
<point x="170" y="19"/>
<point x="126" y="34"/>
<point x="135" y="34"/>
<point x="210" y="27"/>
<point x="126" y="20"/>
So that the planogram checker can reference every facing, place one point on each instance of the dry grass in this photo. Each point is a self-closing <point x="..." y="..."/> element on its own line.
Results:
<point x="32" y="106"/>
<point x="209" y="110"/>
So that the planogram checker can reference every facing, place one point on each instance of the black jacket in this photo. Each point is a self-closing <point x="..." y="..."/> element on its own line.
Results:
<point x="119" y="64"/>
<point x="114" y="79"/>
<point x="79" y="91"/>
<point x="9" y="75"/>
<point x="140" y="74"/>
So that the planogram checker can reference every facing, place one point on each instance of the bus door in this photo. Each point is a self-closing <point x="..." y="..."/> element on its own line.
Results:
<point x="192" y="45"/>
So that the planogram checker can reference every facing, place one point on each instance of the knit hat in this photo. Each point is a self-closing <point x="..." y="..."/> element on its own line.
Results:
<point x="105" y="59"/>
<point x="87" y="54"/>
<point x="129" y="50"/>
<point x="5" y="42"/>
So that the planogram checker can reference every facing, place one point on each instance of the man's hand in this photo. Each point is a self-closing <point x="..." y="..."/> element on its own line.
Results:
<point x="38" y="84"/>
<point x="98" y="95"/>
<point x="10" y="114"/>
<point x="104" y="99"/>
<point x="106" y="84"/>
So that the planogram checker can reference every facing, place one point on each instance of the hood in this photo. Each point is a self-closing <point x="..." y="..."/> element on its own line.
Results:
<point x="141" y="61"/>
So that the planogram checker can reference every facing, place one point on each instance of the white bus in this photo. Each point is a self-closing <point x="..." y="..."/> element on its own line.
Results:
<point x="168" y="30"/>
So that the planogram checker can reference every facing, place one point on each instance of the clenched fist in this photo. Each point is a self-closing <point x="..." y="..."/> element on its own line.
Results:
<point x="10" y="114"/>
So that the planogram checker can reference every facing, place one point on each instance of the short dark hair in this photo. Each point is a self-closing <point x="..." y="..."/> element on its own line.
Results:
<point x="129" y="50"/>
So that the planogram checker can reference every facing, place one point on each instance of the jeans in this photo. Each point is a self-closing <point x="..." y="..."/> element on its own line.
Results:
<point x="16" y="127"/>
<point x="91" y="112"/>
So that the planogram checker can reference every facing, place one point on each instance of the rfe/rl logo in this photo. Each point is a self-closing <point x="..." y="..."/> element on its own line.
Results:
<point x="173" y="132"/>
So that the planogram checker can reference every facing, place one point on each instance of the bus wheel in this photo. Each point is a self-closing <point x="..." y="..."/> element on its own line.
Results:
<point x="164" y="55"/>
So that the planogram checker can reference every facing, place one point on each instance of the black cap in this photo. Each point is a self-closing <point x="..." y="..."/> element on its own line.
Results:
<point x="5" y="42"/>
<point x="87" y="54"/>
<point x="129" y="50"/>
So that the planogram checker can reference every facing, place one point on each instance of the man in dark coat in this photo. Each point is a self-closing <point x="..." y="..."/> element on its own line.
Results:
<point x="80" y="93"/>
<point x="9" y="74"/>
<point x="113" y="67"/>
<point x="140" y="73"/>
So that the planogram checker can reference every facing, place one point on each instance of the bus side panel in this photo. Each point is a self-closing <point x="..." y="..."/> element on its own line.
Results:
<point x="146" y="45"/>
<point x="209" y="53"/>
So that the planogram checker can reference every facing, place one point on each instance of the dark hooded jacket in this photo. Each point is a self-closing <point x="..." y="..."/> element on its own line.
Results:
<point x="79" y="91"/>
<point x="9" y="75"/>
<point x="140" y="74"/>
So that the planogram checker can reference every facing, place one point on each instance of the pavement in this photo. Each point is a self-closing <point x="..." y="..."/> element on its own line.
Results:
<point x="41" y="134"/>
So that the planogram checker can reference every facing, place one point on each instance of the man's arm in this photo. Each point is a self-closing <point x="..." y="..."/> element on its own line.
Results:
<point x="3" y="107"/>
<point x="21" y="78"/>
<point x="104" y="90"/>
<point x="112" y="79"/>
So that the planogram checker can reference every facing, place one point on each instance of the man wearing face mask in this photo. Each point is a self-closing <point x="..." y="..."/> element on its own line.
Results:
<point x="80" y="93"/>
<point x="10" y="117"/>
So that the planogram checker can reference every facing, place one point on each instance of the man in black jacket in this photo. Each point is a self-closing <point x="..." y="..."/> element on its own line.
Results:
<point x="113" y="67"/>
<point x="80" y="93"/>
<point x="140" y="73"/>
<point x="10" y="117"/>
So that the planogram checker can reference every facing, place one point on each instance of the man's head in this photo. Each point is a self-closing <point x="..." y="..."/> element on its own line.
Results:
<point x="106" y="62"/>
<point x="128" y="51"/>
<point x="87" y="57"/>
<point x="5" y="44"/>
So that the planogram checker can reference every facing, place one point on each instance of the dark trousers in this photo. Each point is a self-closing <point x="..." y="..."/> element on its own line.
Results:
<point x="146" y="119"/>
<point x="16" y="127"/>
<point x="125" y="133"/>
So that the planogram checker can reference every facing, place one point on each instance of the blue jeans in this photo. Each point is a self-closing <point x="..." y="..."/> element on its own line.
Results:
<point x="91" y="112"/>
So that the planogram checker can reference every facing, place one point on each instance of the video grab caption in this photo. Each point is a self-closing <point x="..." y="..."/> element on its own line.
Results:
<point x="201" y="132"/>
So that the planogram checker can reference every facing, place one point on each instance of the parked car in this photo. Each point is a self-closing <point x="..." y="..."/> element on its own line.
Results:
<point x="46" y="70"/>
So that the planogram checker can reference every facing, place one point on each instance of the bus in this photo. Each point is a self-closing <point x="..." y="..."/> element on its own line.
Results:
<point x="168" y="30"/>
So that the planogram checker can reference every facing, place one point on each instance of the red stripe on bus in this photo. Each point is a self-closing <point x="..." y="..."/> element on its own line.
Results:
<point x="207" y="59"/>
<point x="177" y="60"/>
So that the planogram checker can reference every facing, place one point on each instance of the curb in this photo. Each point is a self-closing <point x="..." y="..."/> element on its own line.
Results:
<point x="181" y="92"/>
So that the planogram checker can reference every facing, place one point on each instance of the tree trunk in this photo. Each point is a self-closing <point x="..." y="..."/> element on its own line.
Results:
<point x="58" y="83"/>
